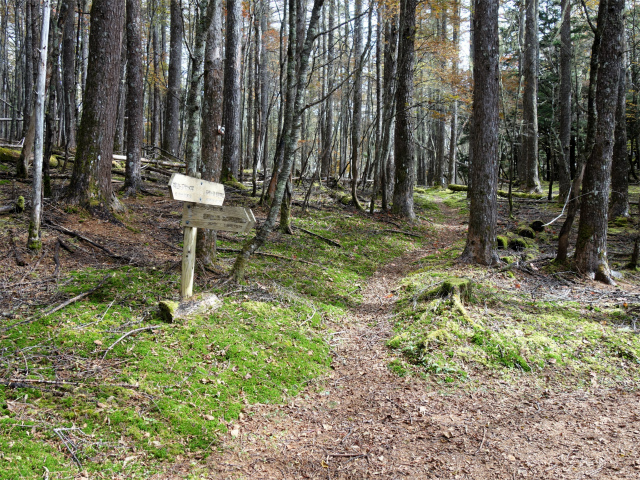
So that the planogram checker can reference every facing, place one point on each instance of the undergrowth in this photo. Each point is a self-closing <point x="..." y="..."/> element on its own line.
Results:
<point x="132" y="406"/>
<point x="510" y="334"/>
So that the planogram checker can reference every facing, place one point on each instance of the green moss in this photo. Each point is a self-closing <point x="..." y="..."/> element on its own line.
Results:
<point x="9" y="155"/>
<point x="518" y="244"/>
<point x="526" y="232"/>
<point x="53" y="161"/>
<point x="502" y="241"/>
<point x="621" y="221"/>
<point x="20" y="204"/>
<point x="167" y="310"/>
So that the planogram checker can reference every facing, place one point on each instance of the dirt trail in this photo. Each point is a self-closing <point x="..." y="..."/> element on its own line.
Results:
<point x="363" y="421"/>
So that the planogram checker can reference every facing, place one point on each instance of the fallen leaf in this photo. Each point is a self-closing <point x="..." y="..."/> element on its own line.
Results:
<point x="235" y="431"/>
<point x="208" y="418"/>
<point x="97" y="342"/>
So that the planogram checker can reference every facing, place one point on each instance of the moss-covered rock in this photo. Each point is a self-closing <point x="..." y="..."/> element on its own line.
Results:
<point x="346" y="199"/>
<point x="518" y="244"/>
<point x="526" y="232"/>
<point x="9" y="155"/>
<point x="53" y="161"/>
<point x="502" y="242"/>
<point x="537" y="226"/>
<point x="20" y="204"/>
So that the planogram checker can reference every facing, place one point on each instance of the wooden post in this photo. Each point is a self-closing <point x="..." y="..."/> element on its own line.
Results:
<point x="188" y="262"/>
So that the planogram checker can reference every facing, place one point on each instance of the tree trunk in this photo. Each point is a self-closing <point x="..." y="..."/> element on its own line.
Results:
<point x="388" y="105"/>
<point x="34" y="242"/>
<point x="356" y="129"/>
<point x="404" y="148"/>
<point x="232" y="91"/>
<point x="619" y="206"/>
<point x="91" y="179"/>
<point x="453" y="141"/>
<point x="171" y="136"/>
<point x="291" y="124"/>
<point x="564" y="177"/>
<point x="135" y="99"/>
<point x="530" y="99"/>
<point x="192" y="106"/>
<point x="591" y="246"/>
<point x="483" y="212"/>
<point x="327" y="127"/>
<point x="211" y="145"/>
<point x="69" y="78"/>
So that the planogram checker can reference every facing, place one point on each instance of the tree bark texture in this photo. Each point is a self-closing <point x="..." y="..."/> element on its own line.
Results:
<point x="591" y="246"/>
<point x="481" y="236"/>
<point x="232" y="93"/>
<point x="530" y="98"/>
<point x="564" y="177"/>
<point x="356" y="125"/>
<point x="619" y="206"/>
<point x="34" y="242"/>
<point x="171" y="136"/>
<point x="192" y="107"/>
<point x="135" y="99"/>
<point x="404" y="148"/>
<point x="69" y="77"/>
<point x="91" y="179"/>
<point x="211" y="145"/>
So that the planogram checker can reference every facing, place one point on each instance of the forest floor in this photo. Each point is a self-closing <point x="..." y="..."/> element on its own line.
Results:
<point x="344" y="360"/>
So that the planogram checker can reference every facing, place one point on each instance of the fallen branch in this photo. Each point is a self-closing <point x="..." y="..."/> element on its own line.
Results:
<point x="61" y="306"/>
<point x="79" y="297"/>
<point x="324" y="239"/>
<point x="152" y="327"/>
<point x="233" y="250"/>
<point x="69" y="447"/>
<point x="19" y="260"/>
<point x="20" y="382"/>
<point x="73" y="233"/>
<point x="403" y="233"/>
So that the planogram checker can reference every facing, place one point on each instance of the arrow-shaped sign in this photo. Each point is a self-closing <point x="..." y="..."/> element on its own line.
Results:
<point x="190" y="189"/>
<point x="230" y="219"/>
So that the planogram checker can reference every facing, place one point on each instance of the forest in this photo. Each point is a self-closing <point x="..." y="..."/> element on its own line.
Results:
<point x="437" y="273"/>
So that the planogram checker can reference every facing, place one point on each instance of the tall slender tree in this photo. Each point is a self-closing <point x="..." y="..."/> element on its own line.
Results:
<point x="483" y="212"/>
<point x="564" y="177"/>
<point x="591" y="246"/>
<point x="530" y="98"/>
<point x="232" y="91"/>
<point x="135" y="99"/>
<point x="171" y="135"/>
<point x="404" y="143"/>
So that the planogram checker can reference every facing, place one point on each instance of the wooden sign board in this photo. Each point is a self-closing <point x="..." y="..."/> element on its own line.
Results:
<point x="190" y="189"/>
<point x="229" y="219"/>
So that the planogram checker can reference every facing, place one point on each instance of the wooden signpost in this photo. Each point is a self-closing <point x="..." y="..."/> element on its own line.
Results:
<point x="203" y="210"/>
<point x="230" y="219"/>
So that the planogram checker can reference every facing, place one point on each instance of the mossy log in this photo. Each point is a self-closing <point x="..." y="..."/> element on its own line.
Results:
<point x="501" y="193"/>
<point x="171" y="311"/>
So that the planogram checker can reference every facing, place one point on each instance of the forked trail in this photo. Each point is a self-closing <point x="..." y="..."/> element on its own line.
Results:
<point x="364" y="421"/>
